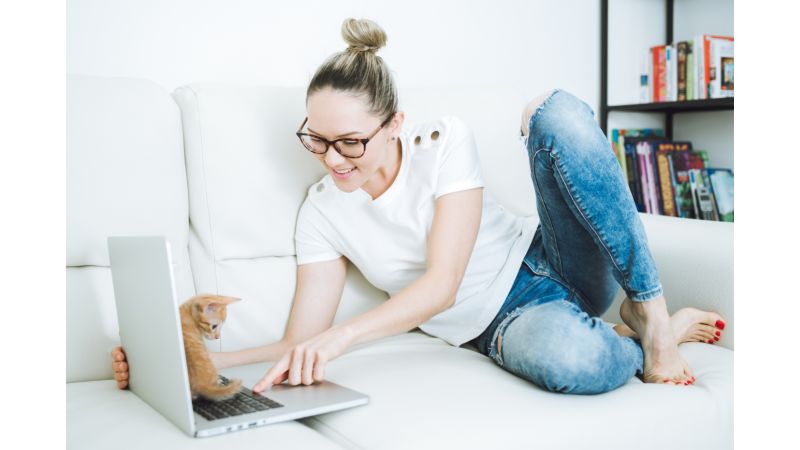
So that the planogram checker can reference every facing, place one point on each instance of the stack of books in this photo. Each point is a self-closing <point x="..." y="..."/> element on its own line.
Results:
<point x="696" y="69"/>
<point x="671" y="178"/>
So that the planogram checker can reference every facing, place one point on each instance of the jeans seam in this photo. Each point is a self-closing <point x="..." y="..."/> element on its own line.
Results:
<point x="586" y="306"/>
<point x="648" y="294"/>
<point x="560" y="267"/>
<point x="589" y="224"/>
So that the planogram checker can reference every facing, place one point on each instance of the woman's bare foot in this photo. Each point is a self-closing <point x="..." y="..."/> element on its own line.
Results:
<point x="688" y="325"/>
<point x="662" y="362"/>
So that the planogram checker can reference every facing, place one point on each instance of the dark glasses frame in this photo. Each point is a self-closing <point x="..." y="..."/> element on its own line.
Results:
<point x="333" y="143"/>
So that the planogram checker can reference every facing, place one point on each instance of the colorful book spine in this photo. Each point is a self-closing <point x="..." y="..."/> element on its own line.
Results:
<point x="721" y="182"/>
<point x="665" y="183"/>
<point x="690" y="75"/>
<point x="681" y="70"/>
<point x="645" y="185"/>
<point x="659" y="73"/>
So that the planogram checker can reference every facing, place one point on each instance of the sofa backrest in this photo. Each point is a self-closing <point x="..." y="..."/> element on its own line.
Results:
<point x="218" y="170"/>
<point x="125" y="176"/>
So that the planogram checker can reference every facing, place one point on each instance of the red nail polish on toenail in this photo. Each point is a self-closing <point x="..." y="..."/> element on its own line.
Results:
<point x="716" y="338"/>
<point x="717" y="333"/>
<point x="710" y="341"/>
<point x="720" y="324"/>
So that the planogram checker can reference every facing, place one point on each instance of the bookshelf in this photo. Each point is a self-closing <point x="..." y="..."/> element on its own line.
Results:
<point x="667" y="108"/>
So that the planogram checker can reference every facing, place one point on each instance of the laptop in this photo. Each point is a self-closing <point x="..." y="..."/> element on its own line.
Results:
<point x="150" y="331"/>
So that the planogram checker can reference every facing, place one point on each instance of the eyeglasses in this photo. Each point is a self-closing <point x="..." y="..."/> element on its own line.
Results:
<point x="347" y="147"/>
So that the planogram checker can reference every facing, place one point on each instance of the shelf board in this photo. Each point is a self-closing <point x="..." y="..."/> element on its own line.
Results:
<point x="714" y="104"/>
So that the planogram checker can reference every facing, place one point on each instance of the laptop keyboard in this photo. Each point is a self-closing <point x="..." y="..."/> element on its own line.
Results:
<point x="246" y="401"/>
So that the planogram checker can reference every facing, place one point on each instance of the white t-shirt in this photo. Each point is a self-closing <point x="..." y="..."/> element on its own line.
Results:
<point x="386" y="238"/>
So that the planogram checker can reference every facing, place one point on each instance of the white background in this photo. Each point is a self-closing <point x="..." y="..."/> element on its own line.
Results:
<point x="533" y="45"/>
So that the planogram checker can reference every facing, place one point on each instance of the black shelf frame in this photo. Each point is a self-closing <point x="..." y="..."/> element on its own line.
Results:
<point x="668" y="108"/>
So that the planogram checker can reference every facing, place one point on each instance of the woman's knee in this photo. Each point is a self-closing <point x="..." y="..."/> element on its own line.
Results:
<point x="559" y="348"/>
<point x="565" y="122"/>
<point x="531" y="108"/>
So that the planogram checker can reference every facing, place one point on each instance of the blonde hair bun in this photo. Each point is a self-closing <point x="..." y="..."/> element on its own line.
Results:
<point x="363" y="35"/>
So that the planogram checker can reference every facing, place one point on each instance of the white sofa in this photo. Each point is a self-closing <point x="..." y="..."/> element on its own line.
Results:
<point x="219" y="171"/>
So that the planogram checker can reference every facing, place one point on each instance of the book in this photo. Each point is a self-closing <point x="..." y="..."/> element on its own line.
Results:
<point x="617" y="148"/>
<point x="649" y="178"/>
<point x="715" y="48"/>
<point x="670" y="58"/>
<point x="682" y="46"/>
<point x="645" y="76"/>
<point x="666" y="177"/>
<point x="659" y="80"/>
<point x="722" y="189"/>
<point x="721" y="67"/>
<point x="704" y="207"/>
<point x="690" y="71"/>
<point x="628" y="140"/>
<point x="700" y="67"/>
<point x="682" y="163"/>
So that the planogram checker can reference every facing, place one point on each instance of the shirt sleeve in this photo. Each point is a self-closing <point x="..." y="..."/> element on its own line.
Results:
<point x="459" y="166"/>
<point x="311" y="243"/>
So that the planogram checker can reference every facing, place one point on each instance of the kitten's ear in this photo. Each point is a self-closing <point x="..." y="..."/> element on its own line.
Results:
<point x="214" y="307"/>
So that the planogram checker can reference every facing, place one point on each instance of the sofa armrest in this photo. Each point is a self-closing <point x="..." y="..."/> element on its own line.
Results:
<point x="695" y="262"/>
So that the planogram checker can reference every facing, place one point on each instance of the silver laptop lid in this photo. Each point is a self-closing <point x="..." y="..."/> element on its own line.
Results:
<point x="149" y="325"/>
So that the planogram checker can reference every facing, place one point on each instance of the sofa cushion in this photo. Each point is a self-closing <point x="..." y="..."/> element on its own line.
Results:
<point x="695" y="263"/>
<point x="100" y="416"/>
<point x="427" y="394"/>
<point x="125" y="176"/>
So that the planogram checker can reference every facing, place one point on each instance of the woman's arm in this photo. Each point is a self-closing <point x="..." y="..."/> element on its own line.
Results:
<point x="453" y="234"/>
<point x="317" y="296"/>
<point x="454" y="231"/>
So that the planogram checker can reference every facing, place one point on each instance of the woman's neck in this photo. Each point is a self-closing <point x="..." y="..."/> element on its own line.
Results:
<point x="390" y="174"/>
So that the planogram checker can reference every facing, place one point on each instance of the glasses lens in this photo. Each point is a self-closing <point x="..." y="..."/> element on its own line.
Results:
<point x="313" y="143"/>
<point x="347" y="147"/>
<point x="350" y="148"/>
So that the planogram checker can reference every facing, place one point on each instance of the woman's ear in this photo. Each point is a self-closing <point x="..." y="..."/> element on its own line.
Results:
<point x="396" y="124"/>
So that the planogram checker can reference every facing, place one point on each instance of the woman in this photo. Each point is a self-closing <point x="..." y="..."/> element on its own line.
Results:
<point x="459" y="266"/>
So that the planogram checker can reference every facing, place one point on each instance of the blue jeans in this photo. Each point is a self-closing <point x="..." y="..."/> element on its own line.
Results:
<point x="590" y="241"/>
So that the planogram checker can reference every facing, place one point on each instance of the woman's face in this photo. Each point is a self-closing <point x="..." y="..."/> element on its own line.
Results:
<point x="335" y="114"/>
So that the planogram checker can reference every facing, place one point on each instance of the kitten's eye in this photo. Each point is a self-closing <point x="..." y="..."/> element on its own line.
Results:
<point x="214" y="327"/>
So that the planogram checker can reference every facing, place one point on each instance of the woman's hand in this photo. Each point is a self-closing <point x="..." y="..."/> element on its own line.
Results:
<point x="120" y="367"/>
<point x="119" y="364"/>
<point x="306" y="361"/>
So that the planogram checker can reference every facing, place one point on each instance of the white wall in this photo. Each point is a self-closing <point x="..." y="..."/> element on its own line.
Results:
<point x="636" y="25"/>
<point x="534" y="45"/>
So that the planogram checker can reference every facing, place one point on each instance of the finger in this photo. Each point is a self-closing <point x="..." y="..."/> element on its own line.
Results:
<point x="296" y="366"/>
<point x="122" y="384"/>
<point x="121" y="376"/>
<point x="267" y="380"/>
<point x="120" y="366"/>
<point x="308" y="367"/>
<point x="319" y="370"/>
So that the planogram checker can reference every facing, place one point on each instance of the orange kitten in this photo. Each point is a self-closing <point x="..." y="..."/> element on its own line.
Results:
<point x="203" y="315"/>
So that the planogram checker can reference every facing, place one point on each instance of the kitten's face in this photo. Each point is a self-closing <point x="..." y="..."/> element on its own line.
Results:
<point x="209" y="312"/>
